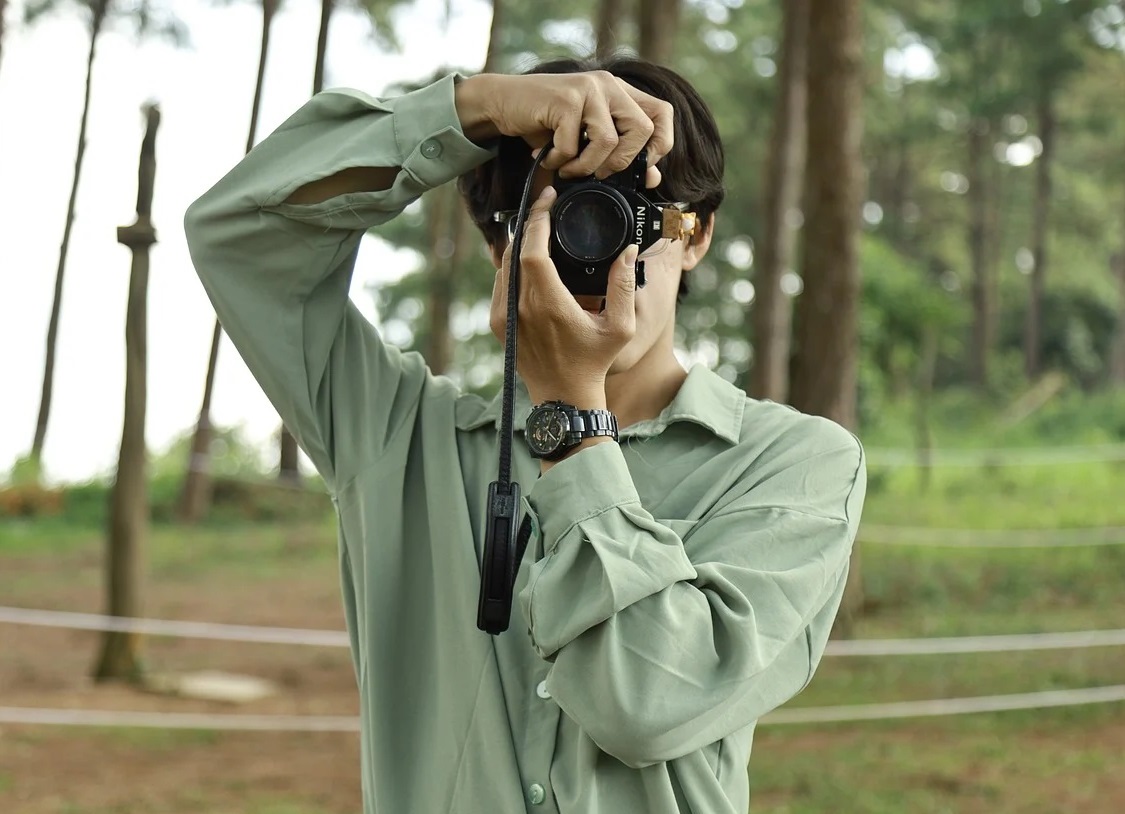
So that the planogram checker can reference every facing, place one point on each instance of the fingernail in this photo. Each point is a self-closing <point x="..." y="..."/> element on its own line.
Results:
<point x="630" y="256"/>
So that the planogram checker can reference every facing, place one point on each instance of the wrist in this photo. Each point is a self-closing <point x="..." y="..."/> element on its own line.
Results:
<point x="591" y="399"/>
<point x="545" y="466"/>
<point x="470" y="97"/>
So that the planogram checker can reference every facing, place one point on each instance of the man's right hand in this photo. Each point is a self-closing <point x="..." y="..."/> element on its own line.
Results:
<point x="618" y="119"/>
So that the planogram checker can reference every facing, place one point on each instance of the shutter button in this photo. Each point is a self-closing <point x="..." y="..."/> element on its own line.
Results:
<point x="536" y="794"/>
<point x="541" y="690"/>
<point x="431" y="148"/>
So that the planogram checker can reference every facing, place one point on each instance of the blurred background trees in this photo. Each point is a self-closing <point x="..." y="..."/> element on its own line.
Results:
<point x="926" y="201"/>
<point x="991" y="144"/>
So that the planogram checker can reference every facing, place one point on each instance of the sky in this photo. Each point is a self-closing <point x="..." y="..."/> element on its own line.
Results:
<point x="205" y="94"/>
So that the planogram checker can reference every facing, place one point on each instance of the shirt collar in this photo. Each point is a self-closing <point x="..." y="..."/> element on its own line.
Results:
<point x="705" y="398"/>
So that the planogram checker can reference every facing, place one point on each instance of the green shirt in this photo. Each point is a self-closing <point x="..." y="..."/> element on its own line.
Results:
<point x="677" y="586"/>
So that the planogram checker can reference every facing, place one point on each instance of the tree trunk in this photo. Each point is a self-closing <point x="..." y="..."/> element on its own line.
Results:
<point x="923" y="432"/>
<point x="610" y="14"/>
<point x="1032" y="337"/>
<point x="1117" y="355"/>
<point x="825" y="368"/>
<point x="982" y="329"/>
<point x="99" y="10"/>
<point x="492" y="52"/>
<point x="3" y="11"/>
<point x="658" y="22"/>
<point x="128" y="510"/>
<point x="326" y="8"/>
<point x="195" y="499"/>
<point x="771" y="313"/>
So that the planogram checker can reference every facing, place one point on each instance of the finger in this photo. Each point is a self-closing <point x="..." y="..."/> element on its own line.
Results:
<point x="653" y="177"/>
<point x="661" y="114"/>
<point x="602" y="138"/>
<point x="498" y="311"/>
<point x="634" y="129"/>
<point x="536" y="267"/>
<point x="564" y="144"/>
<point x="620" y="313"/>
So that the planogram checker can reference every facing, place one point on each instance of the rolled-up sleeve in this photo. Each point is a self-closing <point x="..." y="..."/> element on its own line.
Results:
<point x="663" y="644"/>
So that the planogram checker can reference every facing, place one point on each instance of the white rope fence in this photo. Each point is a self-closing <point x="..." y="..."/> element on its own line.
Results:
<point x="339" y="723"/>
<point x="179" y="720"/>
<point x="1009" y="456"/>
<point x="335" y="638"/>
<point x="975" y="644"/>
<point x="164" y="627"/>
<point x="991" y="538"/>
<point x="947" y="706"/>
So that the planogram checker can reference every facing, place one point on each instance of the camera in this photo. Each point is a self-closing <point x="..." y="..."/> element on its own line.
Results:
<point x="592" y="221"/>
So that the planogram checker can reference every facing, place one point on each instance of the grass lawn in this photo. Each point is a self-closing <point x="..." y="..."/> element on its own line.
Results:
<point x="284" y="573"/>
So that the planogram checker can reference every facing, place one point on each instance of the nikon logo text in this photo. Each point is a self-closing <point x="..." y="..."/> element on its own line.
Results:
<point x="641" y="218"/>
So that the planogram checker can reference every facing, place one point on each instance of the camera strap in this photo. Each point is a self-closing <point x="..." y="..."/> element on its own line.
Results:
<point x="503" y="543"/>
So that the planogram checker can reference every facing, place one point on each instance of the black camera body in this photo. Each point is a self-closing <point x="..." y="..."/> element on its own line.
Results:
<point x="592" y="221"/>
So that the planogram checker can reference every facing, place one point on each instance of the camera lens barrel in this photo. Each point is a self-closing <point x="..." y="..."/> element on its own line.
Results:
<point x="593" y="223"/>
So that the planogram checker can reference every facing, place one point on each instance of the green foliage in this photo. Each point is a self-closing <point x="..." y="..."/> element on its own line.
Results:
<point x="146" y="19"/>
<point x="934" y="67"/>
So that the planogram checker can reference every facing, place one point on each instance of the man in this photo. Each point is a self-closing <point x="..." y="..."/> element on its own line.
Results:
<point x="680" y="580"/>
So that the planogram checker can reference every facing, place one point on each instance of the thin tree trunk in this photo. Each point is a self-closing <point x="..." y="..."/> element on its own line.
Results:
<point x="923" y="433"/>
<point x="3" y="12"/>
<point x="1117" y="355"/>
<point x="97" y="20"/>
<point x="195" y="499"/>
<point x="1032" y="337"/>
<point x="658" y="22"/>
<point x="827" y="313"/>
<point x="492" y="52"/>
<point x="610" y="15"/>
<point x="982" y="333"/>
<point x="129" y="511"/>
<point x="771" y="313"/>
<point x="326" y="8"/>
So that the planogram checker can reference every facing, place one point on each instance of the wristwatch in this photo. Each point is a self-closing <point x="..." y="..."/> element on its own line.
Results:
<point x="555" y="428"/>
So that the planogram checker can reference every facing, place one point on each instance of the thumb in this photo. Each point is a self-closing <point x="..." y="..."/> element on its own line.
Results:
<point x="620" y="298"/>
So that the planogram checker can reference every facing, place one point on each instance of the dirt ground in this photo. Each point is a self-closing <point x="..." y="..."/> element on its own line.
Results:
<point x="79" y="770"/>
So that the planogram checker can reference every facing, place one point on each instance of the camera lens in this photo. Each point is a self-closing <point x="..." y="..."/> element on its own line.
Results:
<point x="591" y="224"/>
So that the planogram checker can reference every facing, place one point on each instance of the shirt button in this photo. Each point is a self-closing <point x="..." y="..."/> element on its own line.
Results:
<point x="541" y="690"/>
<point x="431" y="148"/>
<point x="536" y="794"/>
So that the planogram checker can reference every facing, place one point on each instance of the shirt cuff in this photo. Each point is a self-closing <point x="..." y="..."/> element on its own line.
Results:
<point x="429" y="137"/>
<point x="584" y="485"/>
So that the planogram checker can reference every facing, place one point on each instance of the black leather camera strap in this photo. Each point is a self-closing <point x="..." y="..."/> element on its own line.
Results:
<point x="503" y="543"/>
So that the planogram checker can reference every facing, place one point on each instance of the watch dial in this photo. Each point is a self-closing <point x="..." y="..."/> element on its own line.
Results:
<point x="548" y="430"/>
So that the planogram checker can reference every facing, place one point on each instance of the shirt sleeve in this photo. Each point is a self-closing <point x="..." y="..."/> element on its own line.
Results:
<point x="662" y="645"/>
<point x="278" y="274"/>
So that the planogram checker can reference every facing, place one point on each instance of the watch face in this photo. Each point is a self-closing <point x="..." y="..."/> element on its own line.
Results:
<point x="546" y="430"/>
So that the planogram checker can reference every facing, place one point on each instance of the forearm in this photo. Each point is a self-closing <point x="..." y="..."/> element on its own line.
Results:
<point x="657" y="653"/>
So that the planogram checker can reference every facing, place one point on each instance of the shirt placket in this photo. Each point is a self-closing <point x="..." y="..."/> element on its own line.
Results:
<point x="536" y="731"/>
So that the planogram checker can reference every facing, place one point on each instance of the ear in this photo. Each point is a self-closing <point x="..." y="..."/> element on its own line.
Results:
<point x="700" y="242"/>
